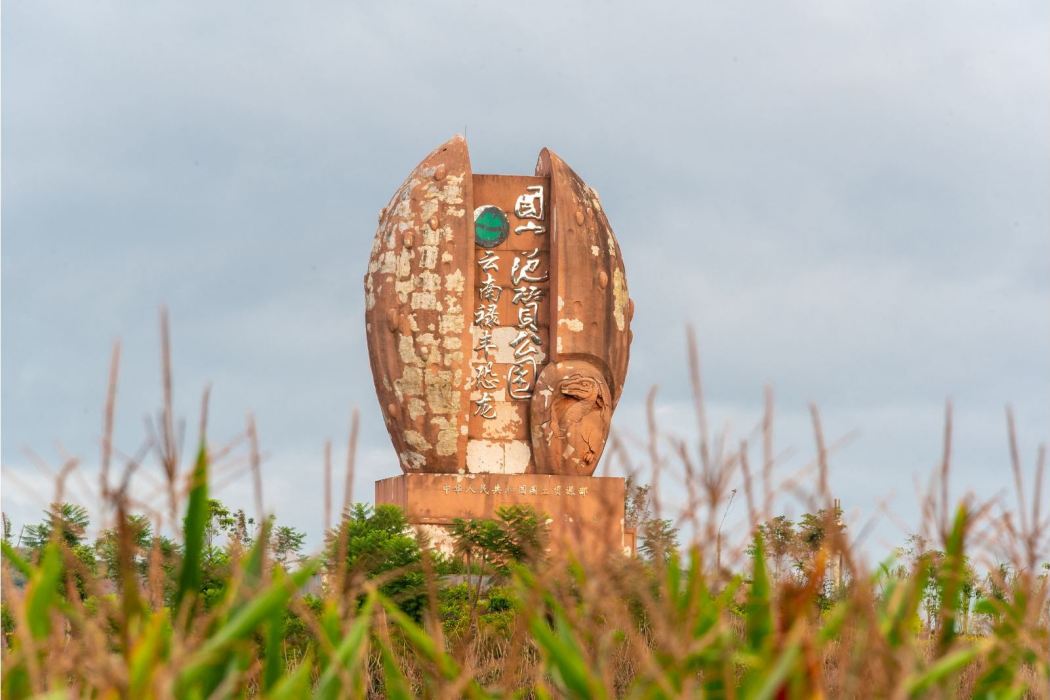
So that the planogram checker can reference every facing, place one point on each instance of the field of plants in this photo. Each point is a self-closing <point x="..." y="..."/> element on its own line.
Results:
<point x="197" y="599"/>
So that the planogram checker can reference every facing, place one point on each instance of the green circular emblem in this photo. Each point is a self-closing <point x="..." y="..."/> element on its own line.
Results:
<point x="490" y="226"/>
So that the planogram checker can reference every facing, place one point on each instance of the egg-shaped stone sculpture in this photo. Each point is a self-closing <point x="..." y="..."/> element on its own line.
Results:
<point x="497" y="318"/>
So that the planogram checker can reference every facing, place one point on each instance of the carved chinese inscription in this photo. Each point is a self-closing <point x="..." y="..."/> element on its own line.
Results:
<point x="511" y="487"/>
<point x="510" y="328"/>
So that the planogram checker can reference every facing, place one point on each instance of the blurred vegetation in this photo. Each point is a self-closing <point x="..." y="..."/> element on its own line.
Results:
<point x="380" y="614"/>
<point x="195" y="599"/>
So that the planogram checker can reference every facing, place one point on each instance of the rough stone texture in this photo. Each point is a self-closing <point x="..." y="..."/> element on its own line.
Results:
<point x="420" y="302"/>
<point x="591" y="312"/>
<point x="418" y="299"/>
<point x="571" y="411"/>
<point x="586" y="513"/>
<point x="590" y="324"/>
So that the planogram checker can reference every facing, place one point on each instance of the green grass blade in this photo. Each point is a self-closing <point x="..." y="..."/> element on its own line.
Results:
<point x="349" y="654"/>
<point x="427" y="646"/>
<point x="245" y="622"/>
<point x="758" y="611"/>
<point x="15" y="559"/>
<point x="394" y="681"/>
<point x="951" y="580"/>
<point x="773" y="680"/>
<point x="420" y="640"/>
<point x="941" y="670"/>
<point x="193" y="531"/>
<point x="147" y="655"/>
<point x="295" y="685"/>
<point x="273" y="659"/>
<point x="43" y="592"/>
<point x="565" y="660"/>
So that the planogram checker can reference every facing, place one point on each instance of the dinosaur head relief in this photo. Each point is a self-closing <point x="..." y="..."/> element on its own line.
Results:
<point x="569" y="432"/>
<point x="580" y="387"/>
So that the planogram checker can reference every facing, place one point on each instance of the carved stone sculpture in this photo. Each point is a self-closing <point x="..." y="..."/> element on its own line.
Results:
<point x="571" y="410"/>
<point x="497" y="318"/>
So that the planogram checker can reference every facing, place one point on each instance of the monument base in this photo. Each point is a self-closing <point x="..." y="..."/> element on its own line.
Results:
<point x="586" y="512"/>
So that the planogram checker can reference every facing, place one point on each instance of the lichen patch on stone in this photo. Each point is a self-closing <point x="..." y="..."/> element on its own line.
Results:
<point x="454" y="281"/>
<point x="619" y="299"/>
<point x="416" y="408"/>
<point x="413" y="460"/>
<point x="447" y="435"/>
<point x="424" y="301"/>
<point x="573" y="324"/>
<point x="416" y="440"/>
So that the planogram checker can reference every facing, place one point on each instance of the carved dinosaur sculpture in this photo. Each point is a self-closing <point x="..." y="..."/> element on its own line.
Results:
<point x="571" y="411"/>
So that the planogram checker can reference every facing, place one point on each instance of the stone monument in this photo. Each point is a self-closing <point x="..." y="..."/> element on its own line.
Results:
<point x="498" y="326"/>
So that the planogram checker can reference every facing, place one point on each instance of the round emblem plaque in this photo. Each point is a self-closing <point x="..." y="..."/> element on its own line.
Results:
<point x="490" y="226"/>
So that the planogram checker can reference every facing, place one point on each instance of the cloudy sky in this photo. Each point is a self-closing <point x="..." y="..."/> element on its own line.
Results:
<point x="848" y="201"/>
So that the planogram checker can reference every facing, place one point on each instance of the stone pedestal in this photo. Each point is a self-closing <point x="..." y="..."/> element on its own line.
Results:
<point x="586" y="512"/>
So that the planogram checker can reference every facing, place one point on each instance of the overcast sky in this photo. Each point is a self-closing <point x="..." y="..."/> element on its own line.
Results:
<point x="848" y="201"/>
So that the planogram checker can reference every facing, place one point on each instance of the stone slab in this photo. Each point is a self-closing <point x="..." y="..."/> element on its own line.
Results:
<point x="586" y="512"/>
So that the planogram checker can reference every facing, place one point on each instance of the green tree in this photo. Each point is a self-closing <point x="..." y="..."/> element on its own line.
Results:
<point x="813" y="531"/>
<point x="142" y="541"/>
<point x="525" y="531"/>
<point x="637" y="503"/>
<point x="379" y="543"/>
<point x="67" y="521"/>
<point x="518" y="534"/>
<point x="286" y="542"/>
<point x="659" y="540"/>
<point x="234" y="525"/>
<point x="780" y="540"/>
<point x="107" y="546"/>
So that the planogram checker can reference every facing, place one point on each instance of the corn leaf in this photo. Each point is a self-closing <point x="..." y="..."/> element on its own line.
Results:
<point x="394" y="681"/>
<point x="758" y="612"/>
<point x="43" y="591"/>
<point x="940" y="670"/>
<point x="295" y="685"/>
<point x="564" y="658"/>
<point x="193" y="530"/>
<point x="148" y="654"/>
<point x="348" y="655"/>
<point x="245" y="622"/>
<point x="15" y="559"/>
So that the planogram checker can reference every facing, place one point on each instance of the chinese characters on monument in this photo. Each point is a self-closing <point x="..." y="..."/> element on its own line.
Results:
<point x="528" y="286"/>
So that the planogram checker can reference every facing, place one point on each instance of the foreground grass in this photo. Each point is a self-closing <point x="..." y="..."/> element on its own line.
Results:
<point x="378" y="615"/>
<point x="627" y="628"/>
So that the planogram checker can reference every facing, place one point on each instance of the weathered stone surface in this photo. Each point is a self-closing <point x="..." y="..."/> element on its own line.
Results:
<point x="459" y="395"/>
<point x="590" y="315"/>
<point x="571" y="412"/>
<point x="586" y="514"/>
<point x="417" y="306"/>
